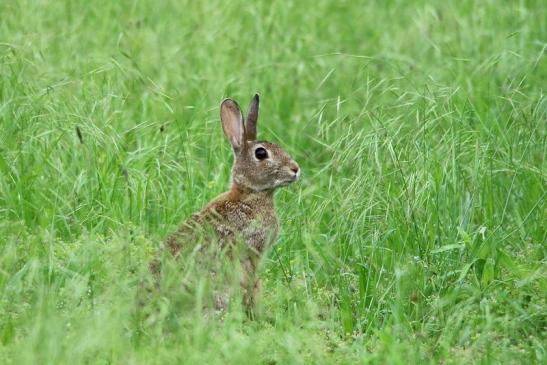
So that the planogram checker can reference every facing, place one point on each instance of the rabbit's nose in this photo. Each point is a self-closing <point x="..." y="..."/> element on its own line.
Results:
<point x="295" y="168"/>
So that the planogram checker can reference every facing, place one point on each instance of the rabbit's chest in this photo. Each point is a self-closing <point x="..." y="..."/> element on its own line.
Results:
<point x="261" y="232"/>
<point x="257" y="229"/>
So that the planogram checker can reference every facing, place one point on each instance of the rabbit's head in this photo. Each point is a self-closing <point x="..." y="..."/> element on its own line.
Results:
<point x="258" y="165"/>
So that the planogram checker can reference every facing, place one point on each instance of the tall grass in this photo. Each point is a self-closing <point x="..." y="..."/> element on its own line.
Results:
<point x="417" y="234"/>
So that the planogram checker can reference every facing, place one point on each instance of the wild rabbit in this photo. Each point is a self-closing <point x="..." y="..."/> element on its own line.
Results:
<point x="246" y="213"/>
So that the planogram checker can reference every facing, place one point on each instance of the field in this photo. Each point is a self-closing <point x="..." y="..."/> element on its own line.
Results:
<point x="415" y="236"/>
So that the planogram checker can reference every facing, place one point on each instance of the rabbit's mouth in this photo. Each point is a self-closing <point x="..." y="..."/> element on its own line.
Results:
<point x="289" y="180"/>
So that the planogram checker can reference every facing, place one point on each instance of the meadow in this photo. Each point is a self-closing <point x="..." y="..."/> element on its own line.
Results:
<point x="415" y="236"/>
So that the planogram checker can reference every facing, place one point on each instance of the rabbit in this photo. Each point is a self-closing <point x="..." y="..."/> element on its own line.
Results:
<point x="245" y="213"/>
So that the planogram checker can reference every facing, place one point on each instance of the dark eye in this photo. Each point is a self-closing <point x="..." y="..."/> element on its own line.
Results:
<point x="261" y="153"/>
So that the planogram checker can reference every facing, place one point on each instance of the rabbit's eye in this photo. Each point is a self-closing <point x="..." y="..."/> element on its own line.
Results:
<point x="261" y="153"/>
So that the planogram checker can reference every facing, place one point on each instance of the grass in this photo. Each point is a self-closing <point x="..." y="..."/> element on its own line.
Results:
<point x="417" y="234"/>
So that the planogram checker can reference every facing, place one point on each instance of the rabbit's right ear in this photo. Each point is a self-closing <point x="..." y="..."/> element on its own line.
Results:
<point x="252" y="116"/>
<point x="232" y="123"/>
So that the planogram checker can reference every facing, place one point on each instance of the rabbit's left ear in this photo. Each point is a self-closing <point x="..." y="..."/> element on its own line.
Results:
<point x="252" y="117"/>
<point x="232" y="123"/>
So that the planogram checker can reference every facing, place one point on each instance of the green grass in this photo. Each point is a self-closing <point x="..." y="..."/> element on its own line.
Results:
<point x="417" y="234"/>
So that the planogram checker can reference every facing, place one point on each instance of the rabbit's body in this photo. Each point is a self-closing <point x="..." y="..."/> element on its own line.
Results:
<point x="235" y="214"/>
<point x="246" y="213"/>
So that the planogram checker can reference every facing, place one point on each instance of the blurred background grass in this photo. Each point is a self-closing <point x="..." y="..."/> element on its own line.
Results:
<point x="415" y="236"/>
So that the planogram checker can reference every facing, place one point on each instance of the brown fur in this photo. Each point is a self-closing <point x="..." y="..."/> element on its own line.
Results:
<point x="246" y="212"/>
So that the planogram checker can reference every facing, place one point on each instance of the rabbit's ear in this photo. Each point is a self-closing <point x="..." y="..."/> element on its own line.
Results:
<point x="232" y="123"/>
<point x="252" y="117"/>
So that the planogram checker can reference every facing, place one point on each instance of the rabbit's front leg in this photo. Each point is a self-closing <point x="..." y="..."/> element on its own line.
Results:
<point x="250" y="296"/>
<point x="250" y="284"/>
